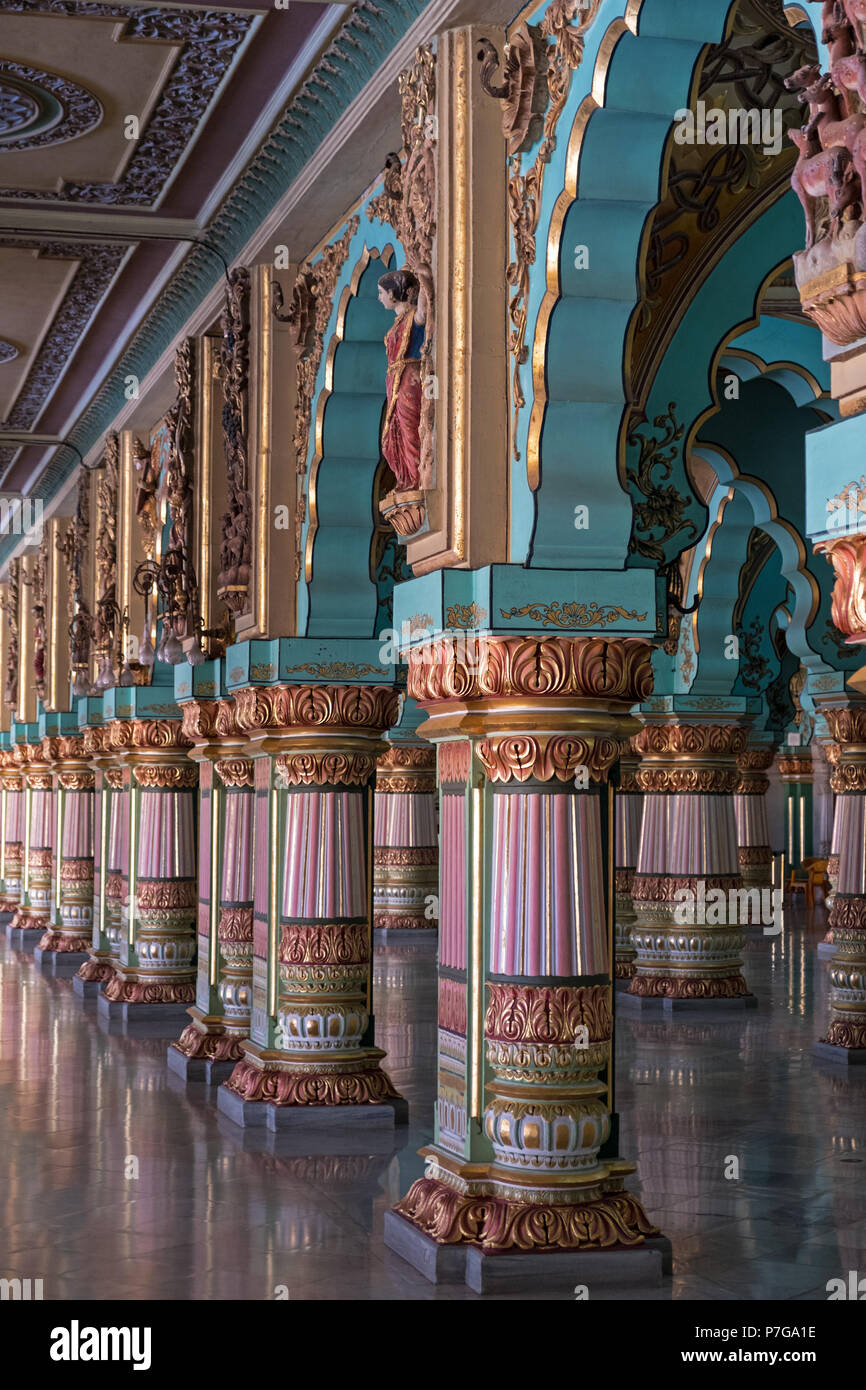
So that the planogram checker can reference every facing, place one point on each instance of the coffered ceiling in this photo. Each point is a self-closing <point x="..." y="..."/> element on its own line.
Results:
<point x="121" y="127"/>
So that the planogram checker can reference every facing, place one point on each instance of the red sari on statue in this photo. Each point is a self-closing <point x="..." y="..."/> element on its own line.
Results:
<point x="401" y="440"/>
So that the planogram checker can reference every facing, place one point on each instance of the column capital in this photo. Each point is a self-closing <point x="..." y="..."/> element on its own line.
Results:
<point x="686" y="755"/>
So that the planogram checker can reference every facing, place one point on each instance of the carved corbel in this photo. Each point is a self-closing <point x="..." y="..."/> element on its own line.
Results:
<point x="522" y="94"/>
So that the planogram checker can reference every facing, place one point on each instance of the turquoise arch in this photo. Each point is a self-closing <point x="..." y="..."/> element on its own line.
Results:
<point x="619" y="180"/>
<point x="341" y="599"/>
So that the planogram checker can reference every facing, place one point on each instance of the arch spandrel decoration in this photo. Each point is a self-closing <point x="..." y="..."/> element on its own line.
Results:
<point x="338" y="596"/>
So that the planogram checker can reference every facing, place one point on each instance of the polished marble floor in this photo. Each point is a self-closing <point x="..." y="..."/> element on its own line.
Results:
<point x="117" y="1181"/>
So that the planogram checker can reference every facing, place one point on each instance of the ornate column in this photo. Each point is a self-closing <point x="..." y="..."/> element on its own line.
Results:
<point x="524" y="1158"/>
<point x="311" y="1040"/>
<point x="34" y="912"/>
<point x="405" y="846"/>
<point x="688" y="935"/>
<point x="12" y="848"/>
<point x="797" y="777"/>
<point x="69" y="934"/>
<point x="629" y="811"/>
<point x="107" y="801"/>
<point x="210" y="1046"/>
<point x="845" y="1043"/>
<point x="155" y="967"/>
<point x="754" y="854"/>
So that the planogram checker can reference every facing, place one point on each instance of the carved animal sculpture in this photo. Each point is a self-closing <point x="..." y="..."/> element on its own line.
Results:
<point x="826" y="175"/>
<point x="855" y="11"/>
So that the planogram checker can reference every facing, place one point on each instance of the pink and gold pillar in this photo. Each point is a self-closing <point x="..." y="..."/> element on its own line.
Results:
<point x="107" y="802"/>
<point x="156" y="951"/>
<point x="845" y="1042"/>
<point x="406" y="853"/>
<point x="12" y="829"/>
<point x="314" y="751"/>
<point x="754" y="855"/>
<point x="524" y="1157"/>
<point x="629" y="812"/>
<point x="211" y="1045"/>
<point x="34" y="911"/>
<point x="71" y="927"/>
<point x="688" y="774"/>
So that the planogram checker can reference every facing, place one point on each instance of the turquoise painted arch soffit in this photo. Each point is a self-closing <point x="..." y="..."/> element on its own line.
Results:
<point x="341" y="598"/>
<point x="646" y="81"/>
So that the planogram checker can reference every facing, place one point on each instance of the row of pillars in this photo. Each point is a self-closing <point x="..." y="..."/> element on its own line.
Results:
<point x="232" y="865"/>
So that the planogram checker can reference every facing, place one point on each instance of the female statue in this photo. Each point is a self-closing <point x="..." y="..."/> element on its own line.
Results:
<point x="400" y="291"/>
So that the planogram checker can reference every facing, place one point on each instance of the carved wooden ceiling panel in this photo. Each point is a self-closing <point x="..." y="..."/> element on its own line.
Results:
<point x="195" y="81"/>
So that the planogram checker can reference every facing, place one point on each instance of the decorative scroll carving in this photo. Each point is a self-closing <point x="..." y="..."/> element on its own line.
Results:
<point x="106" y="545"/>
<point x="362" y="1087"/>
<point x="522" y="93"/>
<point x="324" y="769"/>
<point x="848" y="558"/>
<point x="215" y="1047"/>
<point x="159" y="734"/>
<point x="755" y="667"/>
<point x="147" y="464"/>
<point x="519" y="757"/>
<point x="236" y="544"/>
<point x="694" y="741"/>
<point x="236" y="924"/>
<point x="309" y="314"/>
<point x="529" y="1013"/>
<point x="170" y="776"/>
<point x="324" y="944"/>
<point x="574" y="614"/>
<point x="664" y="506"/>
<point x="562" y="56"/>
<point x="408" y="204"/>
<point x="39" y="603"/>
<point x="235" y="772"/>
<point x="451" y="1218"/>
<point x="616" y="668"/>
<point x="160" y="894"/>
<point x="366" y="707"/>
<point x="11" y="597"/>
<point x="73" y="545"/>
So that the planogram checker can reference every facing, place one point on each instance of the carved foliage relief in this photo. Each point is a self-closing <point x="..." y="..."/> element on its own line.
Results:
<point x="236" y="542"/>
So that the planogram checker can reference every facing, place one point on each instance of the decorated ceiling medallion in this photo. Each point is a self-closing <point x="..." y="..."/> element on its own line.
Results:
<point x="42" y="108"/>
<point x="18" y="109"/>
<point x="8" y="351"/>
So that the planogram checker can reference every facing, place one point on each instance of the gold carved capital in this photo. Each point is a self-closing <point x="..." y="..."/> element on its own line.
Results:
<point x="475" y="667"/>
<point x="546" y="757"/>
<point x="359" y="708"/>
<point x="235" y="772"/>
<point x="322" y="769"/>
<point x="172" y="775"/>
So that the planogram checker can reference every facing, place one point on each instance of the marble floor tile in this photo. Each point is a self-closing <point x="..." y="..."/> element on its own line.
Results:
<point x="214" y="1212"/>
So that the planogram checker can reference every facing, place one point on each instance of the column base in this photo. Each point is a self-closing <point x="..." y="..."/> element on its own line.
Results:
<point x="273" y="1080"/>
<point x="844" y="1057"/>
<point x="123" y="989"/>
<point x="91" y="976"/>
<point x="27" y="920"/>
<point x="333" y="1119"/>
<point x="205" y="1051"/>
<point x="61" y="963"/>
<point x="552" y="1271"/>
